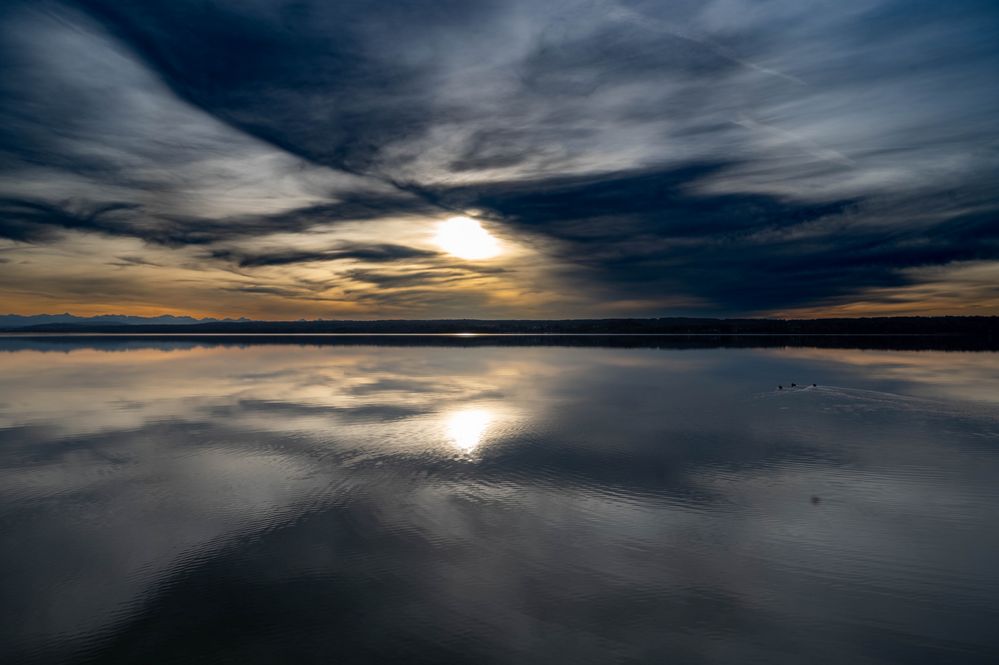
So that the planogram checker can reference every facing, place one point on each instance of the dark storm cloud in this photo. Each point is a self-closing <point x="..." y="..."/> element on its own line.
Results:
<point x="194" y="231"/>
<point x="35" y="220"/>
<point x="409" y="277"/>
<point x="132" y="261"/>
<point x="266" y="290"/>
<point x="750" y="156"/>
<point x="332" y="82"/>
<point x="652" y="229"/>
<point x="374" y="253"/>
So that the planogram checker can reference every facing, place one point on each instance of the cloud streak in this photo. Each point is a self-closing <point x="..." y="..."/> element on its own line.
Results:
<point x="376" y="253"/>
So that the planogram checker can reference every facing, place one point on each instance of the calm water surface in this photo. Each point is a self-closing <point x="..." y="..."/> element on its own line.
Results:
<point x="209" y="503"/>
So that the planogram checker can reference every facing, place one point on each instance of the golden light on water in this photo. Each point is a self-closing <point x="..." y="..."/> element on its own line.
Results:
<point x="465" y="238"/>
<point x="466" y="428"/>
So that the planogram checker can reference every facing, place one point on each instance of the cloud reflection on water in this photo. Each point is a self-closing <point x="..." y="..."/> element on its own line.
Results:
<point x="489" y="505"/>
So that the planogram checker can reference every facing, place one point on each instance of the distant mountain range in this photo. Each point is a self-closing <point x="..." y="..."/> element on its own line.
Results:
<point x="981" y="327"/>
<point x="12" y="321"/>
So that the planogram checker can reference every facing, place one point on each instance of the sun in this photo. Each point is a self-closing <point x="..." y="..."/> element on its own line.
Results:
<point x="465" y="238"/>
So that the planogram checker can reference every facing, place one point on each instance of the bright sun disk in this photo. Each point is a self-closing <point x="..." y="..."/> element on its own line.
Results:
<point x="465" y="238"/>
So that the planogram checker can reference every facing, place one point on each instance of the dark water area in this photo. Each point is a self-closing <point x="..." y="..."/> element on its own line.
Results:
<point x="459" y="500"/>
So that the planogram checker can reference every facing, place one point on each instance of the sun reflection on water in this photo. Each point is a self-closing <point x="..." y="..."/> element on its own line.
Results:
<point x="466" y="428"/>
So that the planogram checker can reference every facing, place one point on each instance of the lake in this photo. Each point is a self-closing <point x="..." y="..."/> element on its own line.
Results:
<point x="493" y="501"/>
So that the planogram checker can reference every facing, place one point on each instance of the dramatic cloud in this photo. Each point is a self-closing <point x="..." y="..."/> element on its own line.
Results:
<point x="646" y="158"/>
<point x="374" y="253"/>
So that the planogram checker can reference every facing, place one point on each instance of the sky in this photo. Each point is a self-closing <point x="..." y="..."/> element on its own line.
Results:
<point x="499" y="158"/>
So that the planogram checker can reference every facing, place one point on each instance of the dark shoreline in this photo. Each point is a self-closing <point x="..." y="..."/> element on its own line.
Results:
<point x="978" y="326"/>
<point x="12" y="341"/>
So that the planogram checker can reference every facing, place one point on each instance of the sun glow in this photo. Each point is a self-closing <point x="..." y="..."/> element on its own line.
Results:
<point x="466" y="428"/>
<point x="465" y="238"/>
